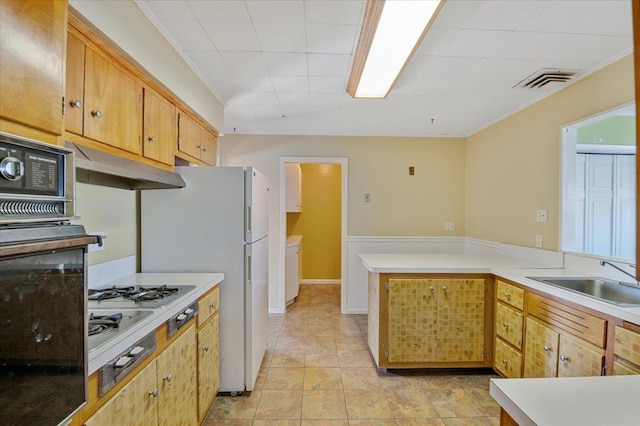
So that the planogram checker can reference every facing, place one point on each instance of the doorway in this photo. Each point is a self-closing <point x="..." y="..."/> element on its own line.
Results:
<point x="294" y="222"/>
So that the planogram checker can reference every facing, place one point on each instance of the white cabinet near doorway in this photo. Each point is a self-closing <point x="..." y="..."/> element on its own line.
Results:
<point x="293" y="195"/>
<point x="293" y="268"/>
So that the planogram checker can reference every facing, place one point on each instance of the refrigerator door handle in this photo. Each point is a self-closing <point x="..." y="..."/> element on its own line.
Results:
<point x="248" y="218"/>
<point x="249" y="269"/>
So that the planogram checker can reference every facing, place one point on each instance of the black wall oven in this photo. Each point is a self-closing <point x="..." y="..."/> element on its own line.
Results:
<point x="43" y="270"/>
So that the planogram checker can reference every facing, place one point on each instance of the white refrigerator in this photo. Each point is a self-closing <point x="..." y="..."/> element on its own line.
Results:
<point x="217" y="223"/>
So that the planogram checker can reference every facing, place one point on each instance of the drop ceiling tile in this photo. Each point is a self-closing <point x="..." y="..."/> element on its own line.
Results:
<point x="245" y="63"/>
<point x="610" y="18"/>
<point x="189" y="35"/>
<point x="331" y="38"/>
<point x="284" y="83"/>
<point x="267" y="111"/>
<point x="255" y="83"/>
<point x="240" y="112"/>
<point x="209" y="62"/>
<point x="224" y="82"/>
<point x="298" y="125"/>
<point x="232" y="36"/>
<point x="289" y="11"/>
<point x="441" y="66"/>
<point x="327" y="84"/>
<point x="293" y="99"/>
<point x="233" y="98"/>
<point x="465" y="42"/>
<point x="558" y="16"/>
<point x="329" y="64"/>
<point x="262" y="98"/>
<point x="282" y="63"/>
<point x="325" y="99"/>
<point x="295" y="111"/>
<point x="220" y="11"/>
<point x="456" y="14"/>
<point x="281" y="37"/>
<point x="502" y="15"/>
<point x="347" y="12"/>
<point x="170" y="10"/>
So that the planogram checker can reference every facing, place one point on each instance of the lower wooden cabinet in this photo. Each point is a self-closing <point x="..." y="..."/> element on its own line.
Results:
<point x="430" y="322"/>
<point x="135" y="404"/>
<point x="508" y="361"/>
<point x="208" y="364"/>
<point x="163" y="393"/>
<point x="626" y="348"/>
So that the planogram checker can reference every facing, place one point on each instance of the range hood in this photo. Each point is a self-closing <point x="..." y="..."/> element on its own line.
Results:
<point x="101" y="168"/>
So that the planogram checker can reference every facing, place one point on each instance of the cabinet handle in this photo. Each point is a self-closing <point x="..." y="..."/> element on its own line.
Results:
<point x="206" y="349"/>
<point x="154" y="393"/>
<point x="97" y="113"/>
<point x="212" y="306"/>
<point x="444" y="288"/>
<point x="505" y="324"/>
<point x="546" y="348"/>
<point x="76" y="104"/>
<point x="564" y="358"/>
<point x="167" y="378"/>
<point x="432" y="288"/>
<point x="199" y="147"/>
<point x="204" y="149"/>
<point x="152" y="138"/>
<point x="504" y="361"/>
<point x="507" y="295"/>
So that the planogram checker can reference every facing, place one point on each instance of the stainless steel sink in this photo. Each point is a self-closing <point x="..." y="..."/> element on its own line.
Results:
<point x="620" y="294"/>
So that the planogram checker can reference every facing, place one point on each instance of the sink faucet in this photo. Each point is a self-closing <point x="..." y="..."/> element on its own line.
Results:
<point x="605" y="262"/>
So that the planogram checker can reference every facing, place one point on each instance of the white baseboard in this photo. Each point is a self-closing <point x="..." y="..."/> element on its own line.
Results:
<point x="315" y="281"/>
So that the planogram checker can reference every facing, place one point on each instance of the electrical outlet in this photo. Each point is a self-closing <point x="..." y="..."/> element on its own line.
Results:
<point x="542" y="215"/>
<point x="412" y="171"/>
<point x="367" y="197"/>
<point x="449" y="226"/>
<point x="96" y="247"/>
<point x="539" y="241"/>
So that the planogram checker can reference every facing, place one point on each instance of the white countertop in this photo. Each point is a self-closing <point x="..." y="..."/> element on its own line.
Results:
<point x="203" y="283"/>
<point x="511" y="268"/>
<point x="584" y="401"/>
<point x="294" y="240"/>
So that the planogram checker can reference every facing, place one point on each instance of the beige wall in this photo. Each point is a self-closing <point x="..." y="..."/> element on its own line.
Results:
<point x="319" y="222"/>
<point x="112" y="211"/>
<point x="513" y="166"/>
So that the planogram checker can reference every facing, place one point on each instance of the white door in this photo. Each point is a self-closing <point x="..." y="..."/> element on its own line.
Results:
<point x="256" y="307"/>
<point x="257" y="205"/>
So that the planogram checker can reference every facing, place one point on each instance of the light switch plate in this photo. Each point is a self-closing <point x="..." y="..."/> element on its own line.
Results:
<point x="542" y="215"/>
<point x="539" y="241"/>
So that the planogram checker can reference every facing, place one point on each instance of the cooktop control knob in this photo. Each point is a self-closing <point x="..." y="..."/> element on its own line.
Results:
<point x="135" y="351"/>
<point x="123" y="361"/>
<point x="11" y="168"/>
<point x="181" y="317"/>
<point x="188" y="311"/>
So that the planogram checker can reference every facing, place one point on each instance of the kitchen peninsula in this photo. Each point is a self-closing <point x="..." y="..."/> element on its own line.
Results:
<point x="420" y="303"/>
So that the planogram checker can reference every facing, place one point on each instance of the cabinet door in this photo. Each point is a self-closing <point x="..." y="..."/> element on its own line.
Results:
<point x="113" y="104"/>
<point x="540" y="350"/>
<point x="507" y="361"/>
<point x="209" y="153"/>
<point x="189" y="136"/>
<point x="577" y="359"/>
<point x="74" y="92"/>
<point x="460" y="320"/>
<point x="291" y="273"/>
<point x="413" y="320"/>
<point x="293" y="194"/>
<point x="176" y="376"/>
<point x="509" y="325"/>
<point x="135" y="404"/>
<point x="208" y="365"/>
<point x="160" y="128"/>
<point x="620" y="369"/>
<point x="32" y="48"/>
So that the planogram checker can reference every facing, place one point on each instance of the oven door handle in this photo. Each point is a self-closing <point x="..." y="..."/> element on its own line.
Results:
<point x="48" y="245"/>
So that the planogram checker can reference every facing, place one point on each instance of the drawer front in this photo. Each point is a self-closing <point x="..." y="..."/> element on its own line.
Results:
<point x="620" y="369"/>
<point x="627" y="345"/>
<point x="509" y="325"/>
<point x="573" y="321"/>
<point x="540" y="350"/>
<point x="510" y="294"/>
<point x="507" y="360"/>
<point x="208" y="305"/>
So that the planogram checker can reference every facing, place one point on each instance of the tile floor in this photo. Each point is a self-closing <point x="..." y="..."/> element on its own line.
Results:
<point x="318" y="371"/>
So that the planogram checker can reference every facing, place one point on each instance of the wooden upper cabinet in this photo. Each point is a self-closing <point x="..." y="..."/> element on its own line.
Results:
<point x="160" y="128"/>
<point x="32" y="62"/>
<point x="113" y="104"/>
<point x="74" y="93"/>
<point x="190" y="136"/>
<point x="196" y="141"/>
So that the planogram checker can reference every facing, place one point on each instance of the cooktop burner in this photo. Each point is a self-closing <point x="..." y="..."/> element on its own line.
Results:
<point x="105" y="324"/>
<point x="136" y="296"/>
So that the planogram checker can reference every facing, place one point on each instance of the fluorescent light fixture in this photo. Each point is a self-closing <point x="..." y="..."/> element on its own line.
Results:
<point x="390" y="33"/>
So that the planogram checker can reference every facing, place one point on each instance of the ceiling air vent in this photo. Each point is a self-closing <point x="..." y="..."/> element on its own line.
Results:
<point x="545" y="76"/>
